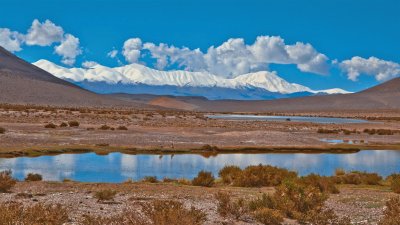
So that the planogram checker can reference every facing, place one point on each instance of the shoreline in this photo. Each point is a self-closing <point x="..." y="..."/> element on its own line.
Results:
<point x="206" y="151"/>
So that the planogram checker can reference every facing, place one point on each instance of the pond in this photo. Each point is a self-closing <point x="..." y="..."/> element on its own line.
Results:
<point x="334" y="120"/>
<point x="118" y="167"/>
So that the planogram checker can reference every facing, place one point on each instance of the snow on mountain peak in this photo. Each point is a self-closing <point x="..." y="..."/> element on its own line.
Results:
<point x="140" y="74"/>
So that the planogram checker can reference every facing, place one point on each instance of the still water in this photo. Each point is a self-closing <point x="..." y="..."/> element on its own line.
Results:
<point x="285" y="118"/>
<point x="118" y="167"/>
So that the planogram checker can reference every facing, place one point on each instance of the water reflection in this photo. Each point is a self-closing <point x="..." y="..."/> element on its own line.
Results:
<point x="117" y="167"/>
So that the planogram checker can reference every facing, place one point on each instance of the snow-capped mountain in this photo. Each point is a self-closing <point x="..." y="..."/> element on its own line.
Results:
<point x="137" y="78"/>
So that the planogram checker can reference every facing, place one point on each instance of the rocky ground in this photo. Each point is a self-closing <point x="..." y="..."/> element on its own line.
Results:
<point x="363" y="204"/>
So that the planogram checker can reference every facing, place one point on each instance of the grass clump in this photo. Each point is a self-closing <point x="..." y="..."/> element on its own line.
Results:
<point x="33" y="177"/>
<point x="2" y="130"/>
<point x="73" y="123"/>
<point x="16" y="213"/>
<point x="50" y="126"/>
<point x="6" y="181"/>
<point x="105" y="195"/>
<point x="392" y="212"/>
<point x="227" y="207"/>
<point x="204" y="178"/>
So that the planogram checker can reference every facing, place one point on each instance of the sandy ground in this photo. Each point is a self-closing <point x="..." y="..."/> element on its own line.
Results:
<point x="363" y="204"/>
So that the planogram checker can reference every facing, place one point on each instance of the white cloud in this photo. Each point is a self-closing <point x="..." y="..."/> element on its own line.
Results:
<point x="10" y="40"/>
<point x="131" y="49"/>
<point x="89" y="64"/>
<point x="68" y="49"/>
<point x="44" y="34"/>
<point x="112" y="54"/>
<point x="233" y="57"/>
<point x="382" y="70"/>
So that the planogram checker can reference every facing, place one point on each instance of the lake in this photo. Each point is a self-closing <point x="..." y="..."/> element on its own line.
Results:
<point x="334" y="120"/>
<point x="118" y="167"/>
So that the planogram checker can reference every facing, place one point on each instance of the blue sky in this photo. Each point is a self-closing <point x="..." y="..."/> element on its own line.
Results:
<point x="338" y="29"/>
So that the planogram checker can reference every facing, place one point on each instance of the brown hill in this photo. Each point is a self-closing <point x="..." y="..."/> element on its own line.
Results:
<point x="24" y="83"/>
<point x="385" y="96"/>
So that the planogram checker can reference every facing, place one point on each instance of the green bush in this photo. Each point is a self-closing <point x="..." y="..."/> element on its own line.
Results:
<point x="205" y="179"/>
<point x="229" y="174"/>
<point x="33" y="177"/>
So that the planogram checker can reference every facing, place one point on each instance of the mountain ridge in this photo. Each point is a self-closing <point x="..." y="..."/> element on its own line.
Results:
<point x="137" y="75"/>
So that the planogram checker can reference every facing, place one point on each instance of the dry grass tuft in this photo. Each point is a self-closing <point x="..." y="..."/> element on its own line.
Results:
<point x="6" y="181"/>
<point x="15" y="213"/>
<point x="392" y="212"/>
<point x="205" y="179"/>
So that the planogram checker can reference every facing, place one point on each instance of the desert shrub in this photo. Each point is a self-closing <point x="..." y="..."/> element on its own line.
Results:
<point x="172" y="212"/>
<point x="33" y="177"/>
<point x="122" y="128"/>
<point x="205" y="179"/>
<point x="340" y="172"/>
<point x="265" y="201"/>
<point x="229" y="174"/>
<point x="392" y="212"/>
<point x="104" y="127"/>
<point x="327" y="131"/>
<point x="6" y="181"/>
<point x="268" y="216"/>
<point x="324" y="184"/>
<point x="323" y="217"/>
<point x="209" y="148"/>
<point x="2" y="130"/>
<point x="73" y="123"/>
<point x="295" y="199"/>
<point x="227" y="207"/>
<point x="379" y="131"/>
<point x="50" y="125"/>
<point x="258" y="176"/>
<point x="15" y="213"/>
<point x="63" y="124"/>
<point x="105" y="195"/>
<point x="356" y="177"/>
<point x="394" y="181"/>
<point x="150" y="179"/>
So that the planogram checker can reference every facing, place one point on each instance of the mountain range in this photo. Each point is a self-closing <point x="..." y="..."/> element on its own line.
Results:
<point x="139" y="79"/>
<point x="24" y="83"/>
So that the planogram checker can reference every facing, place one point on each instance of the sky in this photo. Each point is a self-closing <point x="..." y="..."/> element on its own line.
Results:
<point x="320" y="44"/>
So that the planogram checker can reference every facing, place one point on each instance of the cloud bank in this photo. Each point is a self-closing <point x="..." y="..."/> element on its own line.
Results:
<point x="231" y="58"/>
<point x="43" y="34"/>
<point x="382" y="70"/>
